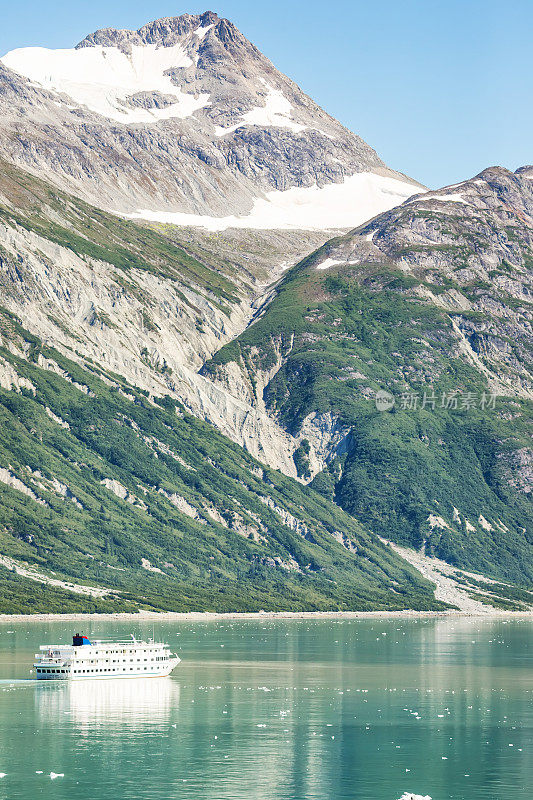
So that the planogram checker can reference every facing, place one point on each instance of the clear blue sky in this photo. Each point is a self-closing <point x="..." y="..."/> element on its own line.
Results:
<point x="440" y="88"/>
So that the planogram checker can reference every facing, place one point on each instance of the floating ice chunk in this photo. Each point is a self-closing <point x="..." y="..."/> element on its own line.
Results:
<point x="54" y="775"/>
<point x="411" y="796"/>
<point x="3" y="774"/>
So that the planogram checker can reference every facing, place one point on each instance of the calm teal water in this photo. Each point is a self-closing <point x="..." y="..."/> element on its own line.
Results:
<point x="279" y="710"/>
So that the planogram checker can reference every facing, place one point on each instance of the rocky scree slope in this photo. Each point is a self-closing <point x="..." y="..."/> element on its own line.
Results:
<point x="430" y="299"/>
<point x="150" y="305"/>
<point x="186" y="121"/>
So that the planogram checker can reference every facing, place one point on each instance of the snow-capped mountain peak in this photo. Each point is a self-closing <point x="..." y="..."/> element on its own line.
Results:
<point x="185" y="121"/>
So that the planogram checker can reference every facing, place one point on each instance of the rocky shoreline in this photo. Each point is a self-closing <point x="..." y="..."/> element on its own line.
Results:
<point x="208" y="616"/>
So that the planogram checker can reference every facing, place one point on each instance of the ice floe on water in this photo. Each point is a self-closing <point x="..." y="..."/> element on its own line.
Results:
<point x="54" y="775"/>
<point x="411" y="796"/>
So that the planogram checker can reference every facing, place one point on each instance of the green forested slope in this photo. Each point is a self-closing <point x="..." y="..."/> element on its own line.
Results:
<point x="63" y="434"/>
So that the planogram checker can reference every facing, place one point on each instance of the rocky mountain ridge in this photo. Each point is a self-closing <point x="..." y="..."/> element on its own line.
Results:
<point x="403" y="349"/>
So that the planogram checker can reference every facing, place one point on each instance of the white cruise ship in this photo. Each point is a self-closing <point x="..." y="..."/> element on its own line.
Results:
<point x="104" y="658"/>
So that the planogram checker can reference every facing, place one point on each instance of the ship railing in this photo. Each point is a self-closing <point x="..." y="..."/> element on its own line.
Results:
<point x="124" y="642"/>
<point x="132" y="642"/>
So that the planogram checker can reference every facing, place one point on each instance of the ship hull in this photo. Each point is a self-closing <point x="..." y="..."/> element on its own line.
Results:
<point x="68" y="676"/>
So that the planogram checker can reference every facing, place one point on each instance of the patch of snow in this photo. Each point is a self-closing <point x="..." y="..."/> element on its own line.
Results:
<point x="329" y="262"/>
<point x="469" y="526"/>
<point x="456" y="515"/>
<point x="104" y="78"/>
<point x="275" y="113"/>
<point x="444" y="198"/>
<point x="370" y="236"/>
<point x="336" y="205"/>
<point x="201" y="32"/>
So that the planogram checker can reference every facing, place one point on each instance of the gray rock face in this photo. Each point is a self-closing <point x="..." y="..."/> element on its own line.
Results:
<point x="248" y="129"/>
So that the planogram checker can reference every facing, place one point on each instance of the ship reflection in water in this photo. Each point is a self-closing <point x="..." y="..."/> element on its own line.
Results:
<point x="116" y="702"/>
